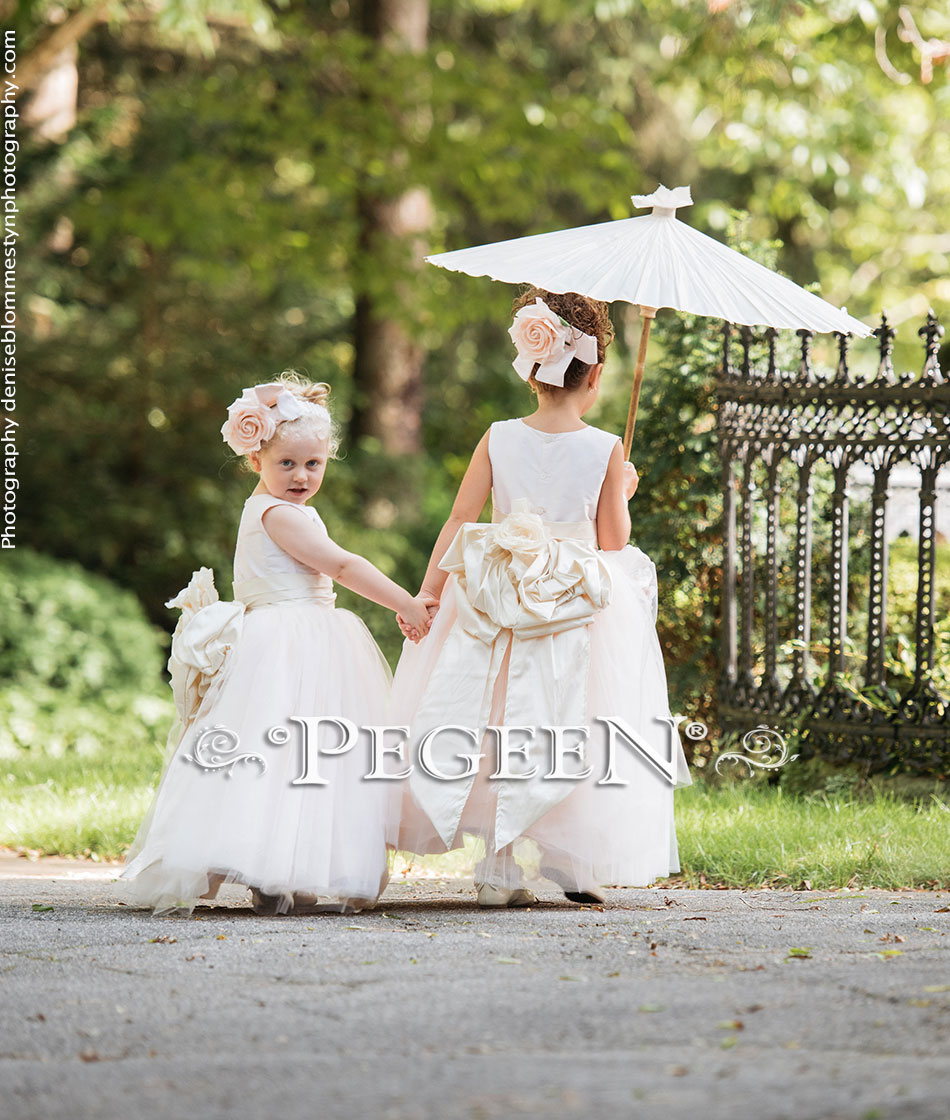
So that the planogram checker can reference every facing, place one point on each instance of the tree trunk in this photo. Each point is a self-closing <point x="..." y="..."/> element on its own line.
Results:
<point x="45" y="54"/>
<point x="388" y="361"/>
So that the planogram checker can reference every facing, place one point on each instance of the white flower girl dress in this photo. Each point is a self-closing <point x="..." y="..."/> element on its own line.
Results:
<point x="227" y="808"/>
<point x="537" y="627"/>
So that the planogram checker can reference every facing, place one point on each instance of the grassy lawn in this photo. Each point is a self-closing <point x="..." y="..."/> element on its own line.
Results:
<point x="744" y="833"/>
<point x="75" y="805"/>
<point x="750" y="834"/>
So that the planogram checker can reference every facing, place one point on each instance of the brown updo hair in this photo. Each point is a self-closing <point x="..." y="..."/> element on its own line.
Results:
<point x="588" y="315"/>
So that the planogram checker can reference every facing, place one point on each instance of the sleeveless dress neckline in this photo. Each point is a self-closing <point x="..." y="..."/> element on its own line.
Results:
<point x="284" y="501"/>
<point x="572" y="432"/>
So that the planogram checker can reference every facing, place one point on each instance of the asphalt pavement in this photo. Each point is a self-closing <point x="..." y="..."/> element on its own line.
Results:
<point x="664" y="1003"/>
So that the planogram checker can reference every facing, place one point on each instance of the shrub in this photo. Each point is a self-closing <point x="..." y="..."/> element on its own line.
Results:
<point x="80" y="665"/>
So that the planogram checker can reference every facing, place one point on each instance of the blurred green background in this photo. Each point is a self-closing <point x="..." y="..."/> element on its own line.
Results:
<point x="213" y="192"/>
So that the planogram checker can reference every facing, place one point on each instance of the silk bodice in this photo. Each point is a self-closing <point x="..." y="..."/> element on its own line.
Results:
<point x="559" y="474"/>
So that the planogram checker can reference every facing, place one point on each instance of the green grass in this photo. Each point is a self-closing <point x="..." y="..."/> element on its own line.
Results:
<point x="750" y="834"/>
<point x="76" y="805"/>
<point x="743" y="833"/>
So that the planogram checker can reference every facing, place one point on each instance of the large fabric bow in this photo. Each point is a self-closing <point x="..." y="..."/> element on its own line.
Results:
<point x="514" y="575"/>
<point x="203" y="639"/>
<point x="516" y="586"/>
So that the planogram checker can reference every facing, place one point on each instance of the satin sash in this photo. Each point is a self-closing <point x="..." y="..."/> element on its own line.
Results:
<point x="293" y="587"/>
<point x="561" y="530"/>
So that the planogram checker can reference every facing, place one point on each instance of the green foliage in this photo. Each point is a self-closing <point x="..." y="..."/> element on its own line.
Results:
<point x="214" y="241"/>
<point x="73" y="631"/>
<point x="186" y="22"/>
<point x="677" y="509"/>
<point x="80" y="665"/>
<point x="816" y="778"/>
<point x="200" y="229"/>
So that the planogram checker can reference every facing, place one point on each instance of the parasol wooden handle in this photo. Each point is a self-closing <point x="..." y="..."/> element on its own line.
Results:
<point x="647" y="314"/>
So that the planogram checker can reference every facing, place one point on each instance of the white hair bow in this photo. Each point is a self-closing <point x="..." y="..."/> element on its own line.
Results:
<point x="287" y="405"/>
<point x="546" y="340"/>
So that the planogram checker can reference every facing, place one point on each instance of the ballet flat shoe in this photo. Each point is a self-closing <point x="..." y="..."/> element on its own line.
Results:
<point x="572" y="892"/>
<point x="490" y="895"/>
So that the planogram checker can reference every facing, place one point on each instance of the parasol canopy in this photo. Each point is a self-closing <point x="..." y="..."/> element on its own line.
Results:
<point x="654" y="261"/>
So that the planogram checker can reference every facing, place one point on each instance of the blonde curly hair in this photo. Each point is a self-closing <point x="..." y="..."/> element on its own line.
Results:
<point x="314" y="392"/>
<point x="586" y="314"/>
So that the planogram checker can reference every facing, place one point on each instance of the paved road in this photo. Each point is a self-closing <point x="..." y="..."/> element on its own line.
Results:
<point x="666" y="1003"/>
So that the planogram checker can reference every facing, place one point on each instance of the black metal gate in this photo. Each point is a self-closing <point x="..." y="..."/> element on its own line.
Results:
<point x="777" y="429"/>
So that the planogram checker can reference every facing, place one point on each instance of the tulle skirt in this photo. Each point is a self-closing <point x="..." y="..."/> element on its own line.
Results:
<point x="599" y="834"/>
<point x="244" y="822"/>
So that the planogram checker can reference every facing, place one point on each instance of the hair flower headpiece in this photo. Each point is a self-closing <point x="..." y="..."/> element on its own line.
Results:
<point x="254" y="416"/>
<point x="544" y="339"/>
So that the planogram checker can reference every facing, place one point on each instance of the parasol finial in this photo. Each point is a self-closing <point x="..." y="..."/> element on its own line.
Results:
<point x="663" y="200"/>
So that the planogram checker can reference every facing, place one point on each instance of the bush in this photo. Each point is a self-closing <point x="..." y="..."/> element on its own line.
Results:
<point x="80" y="665"/>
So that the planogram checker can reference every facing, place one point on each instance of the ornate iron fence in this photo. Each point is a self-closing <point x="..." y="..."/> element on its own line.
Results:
<point x="778" y="430"/>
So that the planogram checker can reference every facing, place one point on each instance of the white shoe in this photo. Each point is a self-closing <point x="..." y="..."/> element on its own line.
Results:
<point x="490" y="895"/>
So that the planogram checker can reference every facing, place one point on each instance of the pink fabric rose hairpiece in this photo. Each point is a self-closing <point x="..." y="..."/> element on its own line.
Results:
<point x="545" y="339"/>
<point x="254" y="416"/>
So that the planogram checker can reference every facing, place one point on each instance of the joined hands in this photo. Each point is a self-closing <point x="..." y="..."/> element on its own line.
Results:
<point x="415" y="622"/>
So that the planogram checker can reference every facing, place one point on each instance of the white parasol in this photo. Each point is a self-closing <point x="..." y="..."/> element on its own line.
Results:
<point x="654" y="261"/>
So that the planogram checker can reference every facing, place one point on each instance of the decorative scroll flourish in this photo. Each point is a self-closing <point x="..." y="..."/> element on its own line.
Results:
<point x="774" y="423"/>
<point x="762" y="740"/>
<point x="213" y="750"/>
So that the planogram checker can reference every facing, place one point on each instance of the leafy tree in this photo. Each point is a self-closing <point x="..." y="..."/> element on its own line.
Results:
<point x="204" y="226"/>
